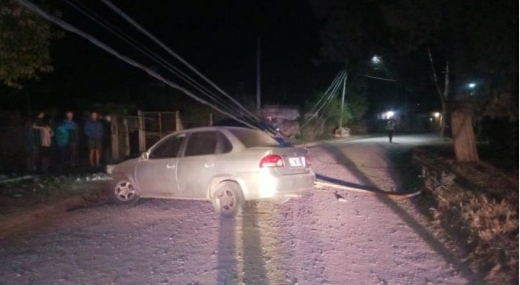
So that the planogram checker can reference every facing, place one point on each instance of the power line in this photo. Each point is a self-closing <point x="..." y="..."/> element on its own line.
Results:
<point x="334" y="82"/>
<point x="333" y="88"/>
<point x="116" y="31"/>
<point x="378" y="78"/>
<point x="144" y="31"/>
<point x="126" y="59"/>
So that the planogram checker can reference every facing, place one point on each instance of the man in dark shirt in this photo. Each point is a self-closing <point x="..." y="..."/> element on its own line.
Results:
<point x="94" y="131"/>
<point x="72" y="128"/>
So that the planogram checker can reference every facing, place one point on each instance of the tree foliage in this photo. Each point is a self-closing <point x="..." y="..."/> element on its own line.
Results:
<point x="356" y="105"/>
<point x="348" y="36"/>
<point x="357" y="101"/>
<point x="477" y="38"/>
<point x="25" y="40"/>
<point x="465" y="41"/>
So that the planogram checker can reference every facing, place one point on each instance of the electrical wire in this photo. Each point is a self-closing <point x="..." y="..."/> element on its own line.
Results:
<point x="325" y="98"/>
<point x="333" y="88"/>
<point x="334" y="82"/>
<point x="144" y="31"/>
<point x="325" y="106"/>
<point x="123" y="36"/>
<point x="29" y="5"/>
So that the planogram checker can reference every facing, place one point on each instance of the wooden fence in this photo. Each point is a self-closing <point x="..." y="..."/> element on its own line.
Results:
<point x="132" y="135"/>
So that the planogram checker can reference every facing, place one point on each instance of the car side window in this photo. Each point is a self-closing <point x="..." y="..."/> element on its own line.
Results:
<point x="201" y="143"/>
<point x="169" y="148"/>
<point x="224" y="145"/>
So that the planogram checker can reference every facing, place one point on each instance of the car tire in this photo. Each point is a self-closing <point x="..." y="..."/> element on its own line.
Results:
<point x="123" y="192"/>
<point x="227" y="199"/>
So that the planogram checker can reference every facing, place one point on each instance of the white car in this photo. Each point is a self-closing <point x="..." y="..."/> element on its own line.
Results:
<point x="225" y="165"/>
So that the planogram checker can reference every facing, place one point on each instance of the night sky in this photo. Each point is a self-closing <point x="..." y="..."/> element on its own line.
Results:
<point x="219" y="38"/>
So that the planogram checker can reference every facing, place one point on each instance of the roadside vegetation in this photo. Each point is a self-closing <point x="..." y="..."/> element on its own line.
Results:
<point x="477" y="205"/>
<point x="19" y="193"/>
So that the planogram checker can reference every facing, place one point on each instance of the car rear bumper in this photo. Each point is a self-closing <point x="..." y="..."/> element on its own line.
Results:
<point x="266" y="185"/>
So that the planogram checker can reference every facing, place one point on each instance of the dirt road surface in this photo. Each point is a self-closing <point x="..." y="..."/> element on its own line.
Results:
<point x="326" y="237"/>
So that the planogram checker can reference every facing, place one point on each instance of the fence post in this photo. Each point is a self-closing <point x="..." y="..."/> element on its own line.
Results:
<point x="115" y="138"/>
<point x="178" y="124"/>
<point x="142" y="136"/>
<point x="211" y="119"/>
<point x="127" y="137"/>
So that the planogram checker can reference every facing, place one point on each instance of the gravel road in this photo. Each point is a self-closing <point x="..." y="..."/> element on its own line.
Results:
<point x="325" y="237"/>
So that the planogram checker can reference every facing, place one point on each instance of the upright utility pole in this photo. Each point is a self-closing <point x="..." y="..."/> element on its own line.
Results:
<point x="342" y="100"/>
<point x="258" y="101"/>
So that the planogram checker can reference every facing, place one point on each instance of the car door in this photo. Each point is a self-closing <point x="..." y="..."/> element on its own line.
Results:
<point x="157" y="175"/>
<point x="196" y="168"/>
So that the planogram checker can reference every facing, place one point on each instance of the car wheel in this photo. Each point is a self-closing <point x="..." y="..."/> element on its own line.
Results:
<point x="228" y="199"/>
<point x="124" y="192"/>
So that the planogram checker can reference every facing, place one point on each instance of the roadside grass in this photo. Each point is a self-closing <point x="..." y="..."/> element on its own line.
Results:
<point x="303" y="140"/>
<point x="477" y="205"/>
<point x="25" y="192"/>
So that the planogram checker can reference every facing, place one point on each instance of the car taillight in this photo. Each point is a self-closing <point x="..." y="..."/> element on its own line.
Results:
<point x="272" y="160"/>
<point x="307" y="160"/>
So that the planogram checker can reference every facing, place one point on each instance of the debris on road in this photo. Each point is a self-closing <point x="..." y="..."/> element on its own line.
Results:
<point x="323" y="184"/>
<point x="4" y="179"/>
<point x="94" y="177"/>
<point x="340" y="198"/>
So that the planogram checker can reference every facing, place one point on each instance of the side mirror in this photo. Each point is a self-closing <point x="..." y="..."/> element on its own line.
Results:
<point x="145" y="155"/>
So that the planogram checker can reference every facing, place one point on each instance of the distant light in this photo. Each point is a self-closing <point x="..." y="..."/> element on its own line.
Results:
<point x="376" y="59"/>
<point x="390" y="114"/>
<point x="472" y="85"/>
<point x="436" y="114"/>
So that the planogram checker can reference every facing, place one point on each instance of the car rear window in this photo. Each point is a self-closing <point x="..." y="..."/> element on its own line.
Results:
<point x="254" y="138"/>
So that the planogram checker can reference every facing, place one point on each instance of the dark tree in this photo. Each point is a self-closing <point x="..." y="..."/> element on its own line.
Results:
<point x="463" y="41"/>
<point x="351" y="31"/>
<point x="24" y="44"/>
<point x="351" y="39"/>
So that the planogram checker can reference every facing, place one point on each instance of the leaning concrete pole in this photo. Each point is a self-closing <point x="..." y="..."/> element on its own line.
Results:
<point x="342" y="102"/>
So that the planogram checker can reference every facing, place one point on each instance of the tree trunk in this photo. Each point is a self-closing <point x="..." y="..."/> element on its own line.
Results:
<point x="463" y="136"/>
<point x="444" y="98"/>
<point x="444" y="118"/>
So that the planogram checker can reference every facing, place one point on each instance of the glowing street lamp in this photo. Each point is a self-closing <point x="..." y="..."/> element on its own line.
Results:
<point x="376" y="59"/>
<point x="472" y="87"/>
<point x="390" y="114"/>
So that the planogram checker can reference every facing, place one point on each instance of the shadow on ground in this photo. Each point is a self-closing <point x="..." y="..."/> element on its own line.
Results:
<point x="244" y="244"/>
<point x="461" y="266"/>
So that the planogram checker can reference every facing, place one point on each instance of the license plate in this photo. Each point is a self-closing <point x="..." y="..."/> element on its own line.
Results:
<point x="296" y="161"/>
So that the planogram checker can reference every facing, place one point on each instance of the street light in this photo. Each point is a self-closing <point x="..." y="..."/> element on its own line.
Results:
<point x="376" y="59"/>
<point x="472" y="85"/>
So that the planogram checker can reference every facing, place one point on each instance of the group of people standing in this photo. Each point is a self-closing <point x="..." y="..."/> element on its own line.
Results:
<point x="46" y="138"/>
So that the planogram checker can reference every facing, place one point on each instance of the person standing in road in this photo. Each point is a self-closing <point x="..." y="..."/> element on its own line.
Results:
<point x="72" y="129"/>
<point x="390" y="128"/>
<point x="94" y="131"/>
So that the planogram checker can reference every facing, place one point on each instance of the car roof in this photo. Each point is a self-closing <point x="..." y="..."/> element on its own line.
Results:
<point x="214" y="128"/>
<point x="231" y="122"/>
